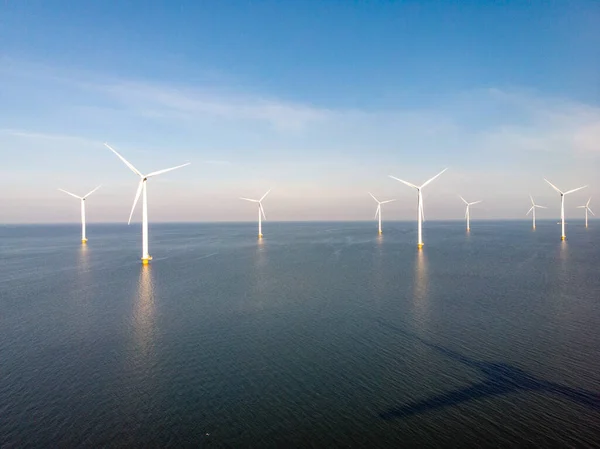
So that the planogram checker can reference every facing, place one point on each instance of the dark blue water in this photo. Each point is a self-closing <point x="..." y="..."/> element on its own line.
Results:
<point x="321" y="335"/>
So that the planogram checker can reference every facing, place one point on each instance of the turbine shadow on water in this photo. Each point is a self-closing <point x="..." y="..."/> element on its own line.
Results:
<point x="500" y="379"/>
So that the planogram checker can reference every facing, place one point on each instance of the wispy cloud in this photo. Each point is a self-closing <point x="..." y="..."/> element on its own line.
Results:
<point x="33" y="135"/>
<point x="215" y="162"/>
<point x="553" y="124"/>
<point x="193" y="105"/>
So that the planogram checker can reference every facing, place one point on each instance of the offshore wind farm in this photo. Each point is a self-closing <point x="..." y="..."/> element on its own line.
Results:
<point x="355" y="316"/>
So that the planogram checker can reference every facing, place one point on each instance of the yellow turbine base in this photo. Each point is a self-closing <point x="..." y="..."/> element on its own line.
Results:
<point x="83" y="241"/>
<point x="260" y="236"/>
<point x="380" y="232"/>
<point x="147" y="260"/>
<point x="562" y="237"/>
<point x="419" y="245"/>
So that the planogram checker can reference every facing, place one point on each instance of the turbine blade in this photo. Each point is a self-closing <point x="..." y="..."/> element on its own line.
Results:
<point x="407" y="183"/>
<point x="591" y="212"/>
<point x="373" y="196"/>
<point x="377" y="211"/>
<point x="475" y="202"/>
<point x="72" y="194"/>
<point x="553" y="186"/>
<point x="160" y="172"/>
<point x="248" y="199"/>
<point x="137" y="197"/>
<point x="125" y="161"/>
<point x="575" y="190"/>
<point x="427" y="182"/>
<point x="91" y="192"/>
<point x="588" y="203"/>
<point x="541" y="207"/>
<point x="386" y="201"/>
<point x="581" y="207"/>
<point x="464" y="201"/>
<point x="262" y="210"/>
<point x="532" y="202"/>
<point x="529" y="211"/>
<point x="265" y="195"/>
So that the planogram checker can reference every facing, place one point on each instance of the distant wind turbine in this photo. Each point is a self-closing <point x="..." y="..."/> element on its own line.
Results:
<point x="420" y="214"/>
<point x="562" y="205"/>
<point x="467" y="212"/>
<point x="533" y="206"/>
<point x="142" y="188"/>
<point x="82" y="199"/>
<point x="378" y="210"/>
<point x="261" y="211"/>
<point x="587" y="209"/>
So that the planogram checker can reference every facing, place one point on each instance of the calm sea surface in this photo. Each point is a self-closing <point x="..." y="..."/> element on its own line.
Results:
<point x="321" y="335"/>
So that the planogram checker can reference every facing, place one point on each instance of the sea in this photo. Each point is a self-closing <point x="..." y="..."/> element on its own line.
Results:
<point x="319" y="335"/>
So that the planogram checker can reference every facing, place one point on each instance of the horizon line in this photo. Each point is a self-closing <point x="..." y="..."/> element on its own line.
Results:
<point x="277" y="221"/>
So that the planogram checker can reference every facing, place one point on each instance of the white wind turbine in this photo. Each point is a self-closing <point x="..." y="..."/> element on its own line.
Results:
<point x="467" y="212"/>
<point x="587" y="209"/>
<point x="261" y="211"/>
<point x="533" y="206"/>
<point x="142" y="188"/>
<point x="82" y="199"/>
<point x="420" y="214"/>
<point x="378" y="210"/>
<point x="562" y="205"/>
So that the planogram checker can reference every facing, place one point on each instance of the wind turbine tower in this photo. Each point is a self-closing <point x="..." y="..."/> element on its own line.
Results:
<point x="261" y="211"/>
<point x="420" y="214"/>
<point x="468" y="213"/>
<point x="142" y="189"/>
<point x="82" y="199"/>
<point x="587" y="209"/>
<point x="562" y="205"/>
<point x="378" y="210"/>
<point x="532" y="210"/>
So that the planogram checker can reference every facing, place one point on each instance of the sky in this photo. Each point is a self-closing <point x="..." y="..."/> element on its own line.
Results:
<point x="319" y="101"/>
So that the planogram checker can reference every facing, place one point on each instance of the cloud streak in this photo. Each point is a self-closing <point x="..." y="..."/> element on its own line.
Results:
<point x="193" y="104"/>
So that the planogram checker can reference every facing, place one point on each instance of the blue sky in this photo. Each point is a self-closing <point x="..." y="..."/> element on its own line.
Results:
<point x="319" y="100"/>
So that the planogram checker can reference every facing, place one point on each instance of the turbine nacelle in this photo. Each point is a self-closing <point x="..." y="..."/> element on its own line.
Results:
<point x="422" y="185"/>
<point x="260" y="206"/>
<point x="561" y="192"/>
<point x="379" y="203"/>
<point x="82" y="198"/>
<point x="587" y="207"/>
<point x="143" y="178"/>
<point x="533" y="206"/>
<point x="467" y="203"/>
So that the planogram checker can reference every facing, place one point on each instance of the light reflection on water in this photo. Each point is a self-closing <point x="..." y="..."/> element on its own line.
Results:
<point x="420" y="288"/>
<point x="144" y="313"/>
